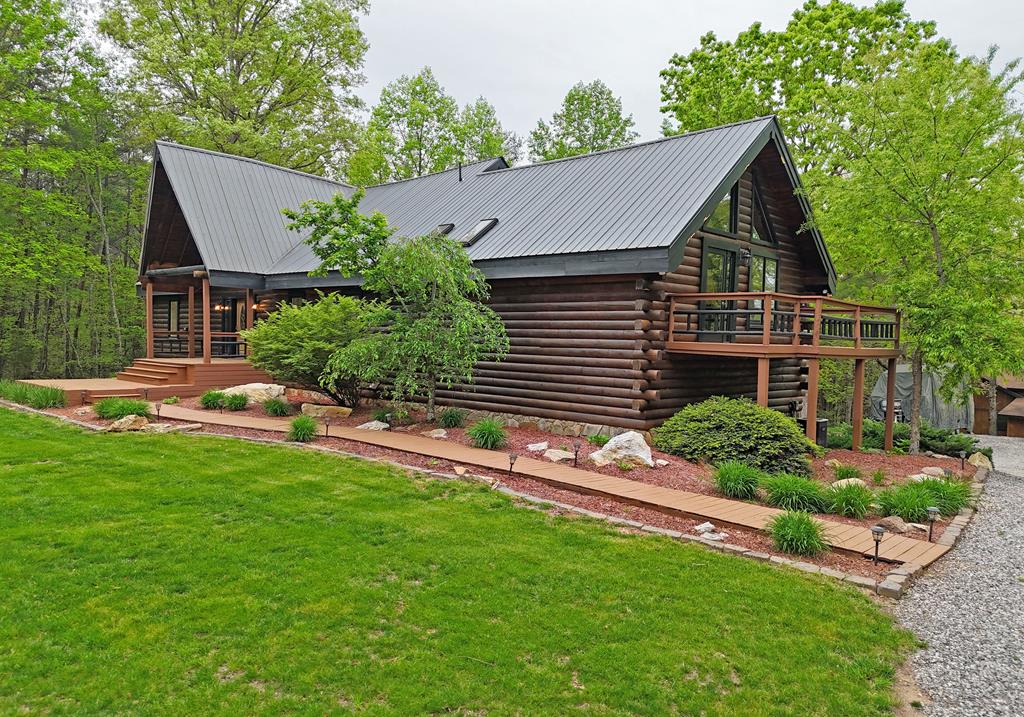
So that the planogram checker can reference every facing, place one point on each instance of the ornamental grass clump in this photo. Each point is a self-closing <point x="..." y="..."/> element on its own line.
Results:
<point x="724" y="429"/>
<point x="31" y="395"/>
<point x="212" y="399"/>
<point x="846" y="472"/>
<point x="236" y="402"/>
<point x="948" y="495"/>
<point x="276" y="407"/>
<point x="452" y="417"/>
<point x="737" y="480"/>
<point x="797" y="533"/>
<point x="113" y="409"/>
<point x="303" y="429"/>
<point x="791" y="492"/>
<point x="487" y="433"/>
<point x="851" y="500"/>
<point x="598" y="440"/>
<point x="909" y="501"/>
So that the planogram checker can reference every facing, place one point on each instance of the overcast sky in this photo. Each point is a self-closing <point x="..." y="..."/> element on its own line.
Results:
<point x="524" y="54"/>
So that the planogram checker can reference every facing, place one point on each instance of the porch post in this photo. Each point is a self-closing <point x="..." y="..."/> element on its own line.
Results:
<point x="149" y="318"/>
<point x="206" y="320"/>
<point x="250" y="314"/>
<point x="812" y="398"/>
<point x="858" y="403"/>
<point x="890" y="400"/>
<point x="763" y="364"/>
<point x="191" y="321"/>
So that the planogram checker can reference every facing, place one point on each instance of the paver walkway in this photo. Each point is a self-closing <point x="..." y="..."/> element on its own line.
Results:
<point x="841" y="536"/>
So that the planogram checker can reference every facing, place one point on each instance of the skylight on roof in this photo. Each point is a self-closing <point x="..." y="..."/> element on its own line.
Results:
<point x="443" y="229"/>
<point x="482" y="227"/>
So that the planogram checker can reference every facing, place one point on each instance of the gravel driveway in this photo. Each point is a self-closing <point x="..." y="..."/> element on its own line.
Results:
<point x="969" y="607"/>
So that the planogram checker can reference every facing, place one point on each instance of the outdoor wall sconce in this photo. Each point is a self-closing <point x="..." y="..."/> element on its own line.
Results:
<point x="933" y="514"/>
<point x="576" y="445"/>
<point x="745" y="256"/>
<point x="877" y="532"/>
<point x="511" y="462"/>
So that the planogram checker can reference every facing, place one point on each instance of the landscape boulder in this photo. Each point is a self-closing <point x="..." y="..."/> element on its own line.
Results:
<point x="980" y="460"/>
<point x="171" y="427"/>
<point x="933" y="471"/>
<point x="131" y="422"/>
<point x="629" y="447"/>
<point x="436" y="433"/>
<point x="374" y="426"/>
<point x="317" y="411"/>
<point x="558" y="455"/>
<point x="537" y="447"/>
<point x="894" y="524"/>
<point x="257" y="392"/>
<point x="918" y="477"/>
<point x="848" y="481"/>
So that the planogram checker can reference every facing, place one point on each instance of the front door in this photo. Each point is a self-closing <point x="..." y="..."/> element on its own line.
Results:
<point x="718" y="275"/>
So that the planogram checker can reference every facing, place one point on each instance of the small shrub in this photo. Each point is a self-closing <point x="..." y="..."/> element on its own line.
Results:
<point x="170" y="400"/>
<point x="878" y="477"/>
<point x="452" y="417"/>
<point x="29" y="394"/>
<point x="236" y="402"/>
<point x="487" y="433"/>
<point x="276" y="407"/>
<point x="737" y="480"/>
<point x="212" y="399"/>
<point x="797" y="533"/>
<point x="113" y="409"/>
<point x="303" y="429"/>
<point x="383" y="415"/>
<point x="736" y="429"/>
<point x="845" y="472"/>
<point x="598" y="440"/>
<point x="949" y="496"/>
<point x="851" y="500"/>
<point x="909" y="501"/>
<point x="791" y="492"/>
<point x="937" y="440"/>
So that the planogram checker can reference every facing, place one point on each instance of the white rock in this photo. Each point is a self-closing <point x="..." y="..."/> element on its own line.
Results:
<point x="918" y="526"/>
<point x="933" y="471"/>
<point x="436" y="433"/>
<point x="317" y="411"/>
<point x="257" y="392"/>
<point x="558" y="455"/>
<point x="131" y="422"/>
<point x="918" y="477"/>
<point x="848" y="481"/>
<point x="83" y="411"/>
<point x="374" y="426"/>
<point x="630" y="447"/>
<point x="705" y="528"/>
<point x="661" y="462"/>
<point x="537" y="447"/>
<point x="980" y="460"/>
<point x="715" y="536"/>
<point x="171" y="427"/>
<point x="893" y="524"/>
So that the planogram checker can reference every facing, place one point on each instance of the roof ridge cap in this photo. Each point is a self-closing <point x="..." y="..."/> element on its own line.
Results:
<point x="434" y="174"/>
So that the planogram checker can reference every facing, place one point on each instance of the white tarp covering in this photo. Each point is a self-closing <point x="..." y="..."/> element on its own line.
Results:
<point x="934" y="409"/>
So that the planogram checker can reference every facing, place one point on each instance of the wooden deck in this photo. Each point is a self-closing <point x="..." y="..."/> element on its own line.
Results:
<point x="721" y="511"/>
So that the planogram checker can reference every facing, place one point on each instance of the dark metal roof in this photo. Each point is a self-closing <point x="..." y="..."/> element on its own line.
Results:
<point x="647" y="196"/>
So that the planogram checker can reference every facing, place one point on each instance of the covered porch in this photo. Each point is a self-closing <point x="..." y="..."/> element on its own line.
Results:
<point x="772" y="325"/>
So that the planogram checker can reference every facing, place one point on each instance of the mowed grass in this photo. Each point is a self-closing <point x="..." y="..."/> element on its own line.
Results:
<point x="178" y="575"/>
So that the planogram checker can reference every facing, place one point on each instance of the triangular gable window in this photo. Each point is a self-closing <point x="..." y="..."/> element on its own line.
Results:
<point x="723" y="218"/>
<point x="761" y="226"/>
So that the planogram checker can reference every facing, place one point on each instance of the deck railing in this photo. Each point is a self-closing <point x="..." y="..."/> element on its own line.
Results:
<point x="772" y="318"/>
<point x="223" y="344"/>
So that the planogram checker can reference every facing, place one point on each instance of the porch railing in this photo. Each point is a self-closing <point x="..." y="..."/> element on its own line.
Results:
<point x="773" y="318"/>
<point x="223" y="344"/>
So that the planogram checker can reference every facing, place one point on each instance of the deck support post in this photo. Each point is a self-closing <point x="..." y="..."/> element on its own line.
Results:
<point x="206" y="320"/>
<point x="811" y="403"/>
<point x="890" y="404"/>
<point x="191" y="321"/>
<point x="149" y="318"/>
<point x="858" y="403"/>
<point x="250" y="315"/>
<point x="763" y="364"/>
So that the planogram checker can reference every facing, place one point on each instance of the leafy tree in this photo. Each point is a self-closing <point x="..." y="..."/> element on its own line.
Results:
<point x="481" y="135"/>
<point x="589" y="120"/>
<point x="930" y="211"/>
<point x="269" y="79"/>
<point x="294" y="343"/>
<point x="430" y="325"/>
<point x="790" y="73"/>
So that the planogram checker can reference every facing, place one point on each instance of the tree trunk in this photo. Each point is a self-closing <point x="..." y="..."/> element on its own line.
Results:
<point x="915" y="402"/>
<point x="431" y="390"/>
<point x="991" y="391"/>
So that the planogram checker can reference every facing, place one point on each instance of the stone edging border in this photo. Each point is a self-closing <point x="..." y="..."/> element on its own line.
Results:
<point x="894" y="584"/>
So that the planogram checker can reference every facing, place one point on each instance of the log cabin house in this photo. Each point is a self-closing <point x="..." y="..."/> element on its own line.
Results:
<point x="631" y="281"/>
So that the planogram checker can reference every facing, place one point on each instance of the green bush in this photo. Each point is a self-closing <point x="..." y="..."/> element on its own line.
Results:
<point x="737" y="480"/>
<point x="114" y="408"/>
<point x="909" y="501"/>
<point x="937" y="440"/>
<point x="797" y="533"/>
<point x="452" y="417"/>
<point x="170" y="400"/>
<point x="878" y="477"/>
<point x="303" y="429"/>
<point x="276" y="407"/>
<point x="791" y="492"/>
<point x="598" y="440"/>
<point x="487" y="433"/>
<point x="383" y="415"/>
<point x="212" y="399"/>
<point x="845" y="472"/>
<point x="294" y="343"/>
<point x="736" y="429"/>
<point x="851" y="500"/>
<point x="236" y="402"/>
<point x="949" y="496"/>
<point x="30" y="395"/>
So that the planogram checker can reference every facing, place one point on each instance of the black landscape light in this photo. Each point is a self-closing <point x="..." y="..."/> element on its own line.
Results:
<point x="511" y="462"/>
<point x="877" y="532"/>
<point x="933" y="515"/>
<point x="327" y="426"/>
<point x="158" y="404"/>
<point x="145" y="394"/>
<point x="963" y="455"/>
<point x="576" y="446"/>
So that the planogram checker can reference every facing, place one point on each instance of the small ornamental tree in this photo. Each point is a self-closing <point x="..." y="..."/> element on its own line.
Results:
<point x="294" y="343"/>
<point x="429" y="325"/>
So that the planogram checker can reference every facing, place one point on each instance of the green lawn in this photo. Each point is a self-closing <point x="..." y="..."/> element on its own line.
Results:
<point x="180" y="575"/>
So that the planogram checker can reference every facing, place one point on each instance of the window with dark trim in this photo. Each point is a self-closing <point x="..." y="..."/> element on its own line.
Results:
<point x="724" y="217"/>
<point x="481" y="228"/>
<point x="761" y="226"/>
<point x="764" y="276"/>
